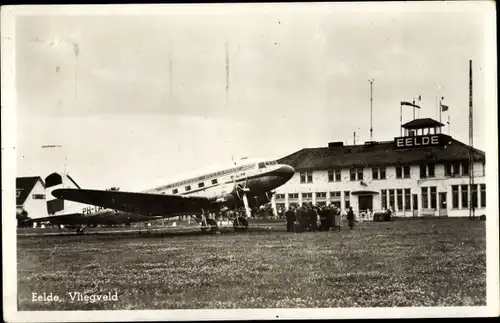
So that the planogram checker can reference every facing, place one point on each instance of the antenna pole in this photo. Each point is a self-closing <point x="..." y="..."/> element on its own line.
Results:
<point x="371" y="109"/>
<point x="471" y="144"/>
<point x="354" y="141"/>
<point x="170" y="69"/>
<point x="227" y="73"/>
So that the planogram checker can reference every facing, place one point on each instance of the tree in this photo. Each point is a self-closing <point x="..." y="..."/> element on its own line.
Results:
<point x="22" y="217"/>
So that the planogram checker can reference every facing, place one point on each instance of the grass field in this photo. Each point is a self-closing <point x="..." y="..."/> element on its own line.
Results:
<point x="399" y="263"/>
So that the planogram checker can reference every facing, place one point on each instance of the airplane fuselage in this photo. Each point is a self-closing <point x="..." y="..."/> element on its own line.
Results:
<point x="225" y="188"/>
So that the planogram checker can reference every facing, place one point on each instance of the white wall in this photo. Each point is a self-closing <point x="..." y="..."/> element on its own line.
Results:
<point x="414" y="183"/>
<point x="36" y="208"/>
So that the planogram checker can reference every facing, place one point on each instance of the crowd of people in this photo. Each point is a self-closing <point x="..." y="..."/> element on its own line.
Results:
<point x="307" y="217"/>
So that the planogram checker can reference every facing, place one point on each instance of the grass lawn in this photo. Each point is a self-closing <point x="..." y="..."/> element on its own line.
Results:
<point x="399" y="263"/>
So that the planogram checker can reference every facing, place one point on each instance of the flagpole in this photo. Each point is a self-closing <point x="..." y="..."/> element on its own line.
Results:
<point x="401" y="120"/>
<point x="440" y="110"/>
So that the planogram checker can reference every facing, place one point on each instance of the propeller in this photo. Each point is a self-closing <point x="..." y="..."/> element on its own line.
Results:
<point x="242" y="195"/>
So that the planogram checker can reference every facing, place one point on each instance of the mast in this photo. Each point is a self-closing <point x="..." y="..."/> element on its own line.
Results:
<point x="371" y="109"/>
<point x="227" y="74"/>
<point x="471" y="145"/>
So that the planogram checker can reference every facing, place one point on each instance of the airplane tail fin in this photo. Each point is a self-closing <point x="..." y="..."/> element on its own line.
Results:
<point x="57" y="206"/>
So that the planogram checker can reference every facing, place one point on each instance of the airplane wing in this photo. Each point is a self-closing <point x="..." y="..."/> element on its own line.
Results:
<point x="138" y="203"/>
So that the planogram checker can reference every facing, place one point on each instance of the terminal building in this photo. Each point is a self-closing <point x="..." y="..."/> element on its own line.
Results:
<point x="422" y="173"/>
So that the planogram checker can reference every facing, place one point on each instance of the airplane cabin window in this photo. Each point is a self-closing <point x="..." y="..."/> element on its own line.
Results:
<point x="188" y="188"/>
<point x="175" y="191"/>
<point x="261" y="165"/>
<point x="214" y="181"/>
<point x="201" y="185"/>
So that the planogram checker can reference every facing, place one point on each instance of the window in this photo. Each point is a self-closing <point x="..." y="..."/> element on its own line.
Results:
<point x="474" y="195"/>
<point x="465" y="196"/>
<point x="433" y="197"/>
<point x="456" y="169"/>
<point x="214" y="181"/>
<point x="465" y="168"/>
<point x="335" y="194"/>
<point x="406" y="171"/>
<point x="425" y="198"/>
<point x="39" y="196"/>
<point x="262" y="165"/>
<point x="175" y="191"/>
<point x="399" y="195"/>
<point x="399" y="172"/>
<point x="18" y="192"/>
<point x="391" y="200"/>
<point x="454" y="196"/>
<point x="306" y="177"/>
<point x="307" y="196"/>
<point x="407" y="199"/>
<point x="382" y="173"/>
<point x="356" y="174"/>
<point x="427" y="170"/>
<point x="347" y="199"/>
<point x="293" y="195"/>
<point x="383" y="194"/>
<point x="378" y="173"/>
<point x="280" y="196"/>
<point x="423" y="171"/>
<point x="187" y="188"/>
<point x="447" y="170"/>
<point x="483" y="195"/>
<point x="334" y="175"/>
<point x="431" y="170"/>
<point x="321" y="195"/>
<point x="200" y="185"/>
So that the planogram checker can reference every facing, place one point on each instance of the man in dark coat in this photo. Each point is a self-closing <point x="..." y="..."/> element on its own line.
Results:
<point x="290" y="219"/>
<point x="350" y="217"/>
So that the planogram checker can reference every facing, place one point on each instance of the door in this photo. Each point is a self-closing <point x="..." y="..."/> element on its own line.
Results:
<point x="443" y="208"/>
<point x="365" y="203"/>
<point x="415" y="205"/>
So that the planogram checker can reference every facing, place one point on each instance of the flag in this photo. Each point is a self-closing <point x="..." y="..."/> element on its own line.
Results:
<point x="444" y="107"/>
<point x="410" y="104"/>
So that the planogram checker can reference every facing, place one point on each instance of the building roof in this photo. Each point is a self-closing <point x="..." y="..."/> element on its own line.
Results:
<point x="422" y="123"/>
<point x="26" y="184"/>
<point x="377" y="154"/>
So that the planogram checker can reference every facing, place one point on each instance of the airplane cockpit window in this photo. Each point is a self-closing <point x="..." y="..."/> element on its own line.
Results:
<point x="262" y="165"/>
<point x="273" y="162"/>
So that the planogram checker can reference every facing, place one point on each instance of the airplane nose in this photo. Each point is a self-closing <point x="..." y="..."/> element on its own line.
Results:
<point x="286" y="171"/>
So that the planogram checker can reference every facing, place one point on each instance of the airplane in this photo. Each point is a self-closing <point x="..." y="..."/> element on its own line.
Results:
<point x="247" y="183"/>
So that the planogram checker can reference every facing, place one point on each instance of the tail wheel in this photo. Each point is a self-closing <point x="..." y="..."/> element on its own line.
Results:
<point x="240" y="224"/>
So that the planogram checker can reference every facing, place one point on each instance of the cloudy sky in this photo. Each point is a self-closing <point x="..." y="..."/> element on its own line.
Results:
<point x="140" y="97"/>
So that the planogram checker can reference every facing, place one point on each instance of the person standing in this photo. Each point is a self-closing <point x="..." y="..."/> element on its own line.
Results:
<point x="337" y="218"/>
<point x="290" y="220"/>
<point x="350" y="218"/>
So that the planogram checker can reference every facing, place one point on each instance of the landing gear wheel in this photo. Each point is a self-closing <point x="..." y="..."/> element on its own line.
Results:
<point x="211" y="227"/>
<point x="240" y="224"/>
